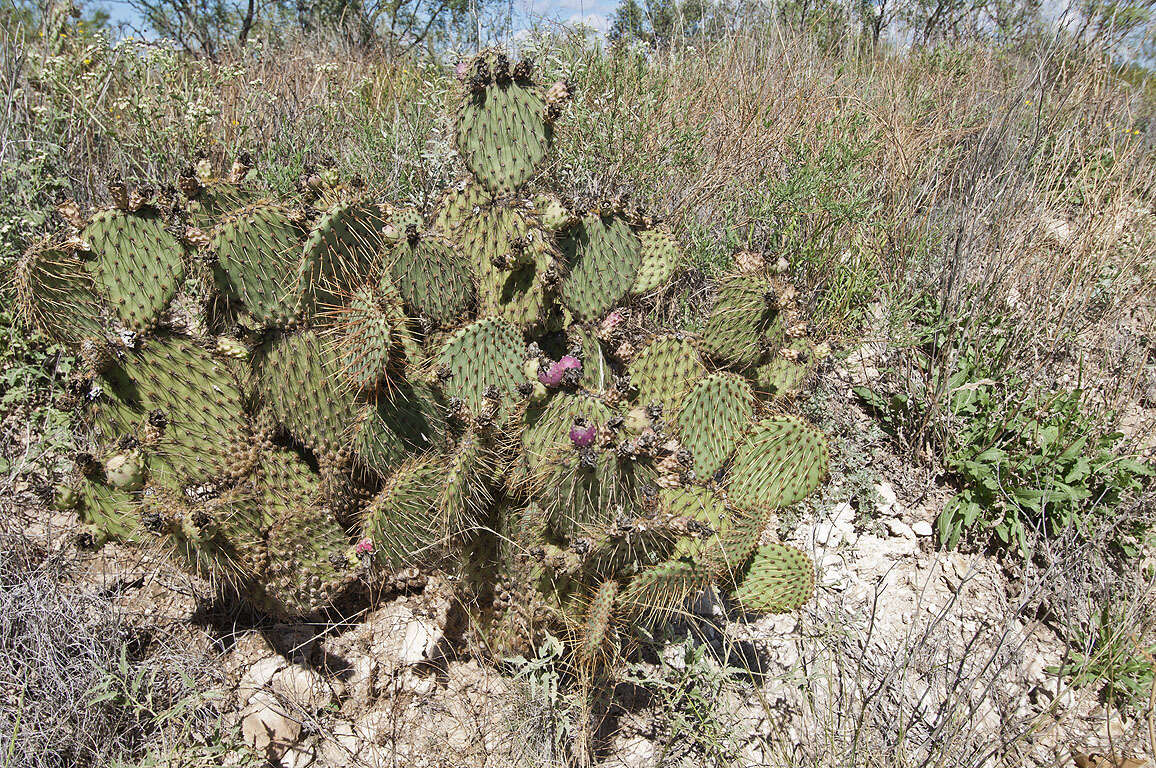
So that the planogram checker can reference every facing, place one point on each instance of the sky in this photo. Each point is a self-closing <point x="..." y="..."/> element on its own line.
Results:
<point x="593" y="13"/>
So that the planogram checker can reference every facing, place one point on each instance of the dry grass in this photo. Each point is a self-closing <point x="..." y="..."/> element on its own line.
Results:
<point x="81" y="684"/>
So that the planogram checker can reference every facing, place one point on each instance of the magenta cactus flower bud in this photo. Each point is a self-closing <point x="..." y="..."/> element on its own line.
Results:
<point x="461" y="69"/>
<point x="364" y="547"/>
<point x="568" y="362"/>
<point x="582" y="435"/>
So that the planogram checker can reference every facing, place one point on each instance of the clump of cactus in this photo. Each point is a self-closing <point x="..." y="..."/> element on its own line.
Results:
<point x="315" y="397"/>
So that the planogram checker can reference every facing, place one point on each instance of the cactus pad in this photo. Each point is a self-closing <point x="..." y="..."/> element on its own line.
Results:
<point x="260" y="262"/>
<point x="401" y="522"/>
<point x="744" y="310"/>
<point x="432" y="276"/>
<point x="664" y="371"/>
<point x="502" y="131"/>
<point x="779" y="579"/>
<point x="603" y="256"/>
<point x="781" y="461"/>
<point x="56" y="293"/>
<point x="661" y="258"/>
<point x="712" y="419"/>
<point x="137" y="264"/>
<point x="484" y="362"/>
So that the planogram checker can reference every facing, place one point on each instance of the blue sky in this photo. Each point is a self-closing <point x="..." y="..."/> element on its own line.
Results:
<point x="593" y="13"/>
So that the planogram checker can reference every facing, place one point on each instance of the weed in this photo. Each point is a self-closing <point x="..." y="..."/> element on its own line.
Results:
<point x="1026" y="461"/>
<point x="1116" y="662"/>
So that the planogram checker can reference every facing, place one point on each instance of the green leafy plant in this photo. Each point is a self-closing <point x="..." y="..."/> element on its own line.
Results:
<point x="1024" y="460"/>
<point x="309" y="397"/>
<point x="1120" y="665"/>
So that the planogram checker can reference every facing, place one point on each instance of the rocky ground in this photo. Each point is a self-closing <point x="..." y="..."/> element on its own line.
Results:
<point x="941" y="657"/>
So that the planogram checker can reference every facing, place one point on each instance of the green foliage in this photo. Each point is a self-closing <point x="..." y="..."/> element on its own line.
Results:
<point x="353" y="393"/>
<point x="1121" y="666"/>
<point x="1027" y="462"/>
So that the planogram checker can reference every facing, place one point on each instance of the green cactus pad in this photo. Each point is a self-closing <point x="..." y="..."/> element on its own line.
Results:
<point x="780" y="462"/>
<point x="56" y="293"/>
<point x="260" y="263"/>
<point x="467" y="492"/>
<point x="299" y="378"/>
<point x="743" y="312"/>
<point x="503" y="135"/>
<point x="596" y="373"/>
<point x="433" y="277"/>
<point x="110" y="513"/>
<point x="363" y="345"/>
<point x="459" y="206"/>
<point x="664" y="371"/>
<point x="343" y="248"/>
<point x="785" y="371"/>
<point x="222" y="538"/>
<point x="779" y="579"/>
<point x="194" y="392"/>
<point x="137" y="264"/>
<point x="712" y="419"/>
<point x="661" y="258"/>
<point x="660" y="591"/>
<point x="552" y="212"/>
<point x="215" y="200"/>
<point x="484" y="358"/>
<point x="307" y="570"/>
<point x="402" y="521"/>
<point x="547" y="426"/>
<point x="603" y="256"/>
<point x="730" y="547"/>
<point x="578" y="498"/>
<point x="501" y="234"/>
<point x="593" y="633"/>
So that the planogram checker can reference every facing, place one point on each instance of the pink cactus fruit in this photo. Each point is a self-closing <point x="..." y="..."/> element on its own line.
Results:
<point x="461" y="69"/>
<point x="582" y="434"/>
<point x="364" y="547"/>
<point x="552" y="376"/>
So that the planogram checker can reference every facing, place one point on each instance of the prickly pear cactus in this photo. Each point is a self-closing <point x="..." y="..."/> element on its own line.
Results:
<point x="362" y="389"/>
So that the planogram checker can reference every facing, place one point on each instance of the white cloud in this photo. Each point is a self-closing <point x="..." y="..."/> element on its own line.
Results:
<point x="596" y="21"/>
